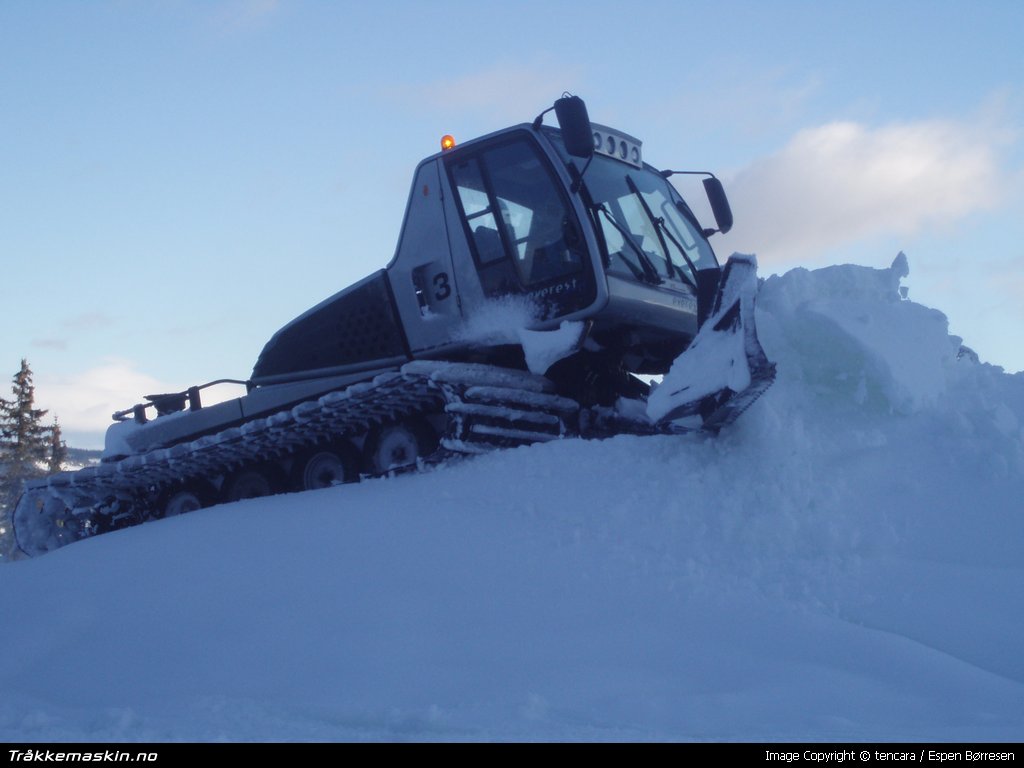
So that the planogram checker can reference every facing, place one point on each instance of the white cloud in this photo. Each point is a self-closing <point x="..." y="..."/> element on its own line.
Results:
<point x="85" y="401"/>
<point x="844" y="181"/>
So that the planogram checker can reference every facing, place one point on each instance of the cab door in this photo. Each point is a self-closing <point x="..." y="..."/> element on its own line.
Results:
<point x="422" y="278"/>
<point x="523" y="234"/>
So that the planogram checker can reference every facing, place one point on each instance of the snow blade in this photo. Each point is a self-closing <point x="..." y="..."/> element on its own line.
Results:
<point x="724" y="369"/>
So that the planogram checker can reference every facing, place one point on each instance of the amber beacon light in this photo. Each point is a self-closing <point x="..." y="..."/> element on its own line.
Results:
<point x="447" y="142"/>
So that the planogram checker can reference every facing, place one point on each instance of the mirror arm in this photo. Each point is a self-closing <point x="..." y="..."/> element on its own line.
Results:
<point x="539" y="119"/>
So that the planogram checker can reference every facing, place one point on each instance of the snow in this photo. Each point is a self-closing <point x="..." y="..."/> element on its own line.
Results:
<point x="116" y="439"/>
<point x="510" y="320"/>
<point x="499" y="321"/>
<point x="842" y="563"/>
<point x="543" y="349"/>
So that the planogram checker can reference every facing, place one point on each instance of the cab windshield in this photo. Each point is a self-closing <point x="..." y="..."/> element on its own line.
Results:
<point x="643" y="223"/>
<point x="649" y="232"/>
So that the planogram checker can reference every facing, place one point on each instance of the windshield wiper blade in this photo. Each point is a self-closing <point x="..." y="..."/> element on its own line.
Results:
<point x="662" y="229"/>
<point x="649" y="271"/>
<point x="650" y="215"/>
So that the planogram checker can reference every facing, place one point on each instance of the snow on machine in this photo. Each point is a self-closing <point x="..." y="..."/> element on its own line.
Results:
<point x="591" y="270"/>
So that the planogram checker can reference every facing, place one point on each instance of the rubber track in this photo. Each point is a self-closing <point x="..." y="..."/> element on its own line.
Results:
<point x="114" y="494"/>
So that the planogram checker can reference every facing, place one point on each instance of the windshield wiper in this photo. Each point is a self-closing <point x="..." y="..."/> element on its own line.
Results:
<point x="660" y="222"/>
<point x="648" y="269"/>
<point x="661" y="229"/>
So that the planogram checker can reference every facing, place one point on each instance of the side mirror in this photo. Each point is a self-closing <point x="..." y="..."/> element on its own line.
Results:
<point x="574" y="121"/>
<point x="719" y="204"/>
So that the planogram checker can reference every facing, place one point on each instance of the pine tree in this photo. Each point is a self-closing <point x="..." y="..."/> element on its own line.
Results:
<point x="24" y="438"/>
<point x="26" y="447"/>
<point x="58" y="449"/>
<point x="6" y="494"/>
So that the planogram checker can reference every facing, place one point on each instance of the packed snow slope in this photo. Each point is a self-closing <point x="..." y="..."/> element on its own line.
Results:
<point x="843" y="563"/>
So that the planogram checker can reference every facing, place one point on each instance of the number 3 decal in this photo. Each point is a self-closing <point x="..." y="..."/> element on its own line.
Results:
<point x="443" y="289"/>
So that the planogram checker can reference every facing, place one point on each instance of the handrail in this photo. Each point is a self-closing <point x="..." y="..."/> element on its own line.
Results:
<point x="172" y="402"/>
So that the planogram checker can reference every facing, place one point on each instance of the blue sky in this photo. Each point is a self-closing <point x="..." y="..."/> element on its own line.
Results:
<point x="179" y="179"/>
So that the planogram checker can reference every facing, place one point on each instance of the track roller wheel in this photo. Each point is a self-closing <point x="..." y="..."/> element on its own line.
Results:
<point x="325" y="465"/>
<point x="182" y="499"/>
<point x="396" y="446"/>
<point x="252" y="482"/>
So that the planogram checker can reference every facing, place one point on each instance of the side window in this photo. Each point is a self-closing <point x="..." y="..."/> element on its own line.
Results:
<point x="478" y="210"/>
<point x="514" y="209"/>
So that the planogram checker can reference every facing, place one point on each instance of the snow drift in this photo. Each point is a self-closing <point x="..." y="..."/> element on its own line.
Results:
<point x="843" y="563"/>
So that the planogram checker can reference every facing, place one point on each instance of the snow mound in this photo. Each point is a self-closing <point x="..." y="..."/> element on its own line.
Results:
<point x="848" y="329"/>
<point x="856" y="358"/>
<point x="842" y="563"/>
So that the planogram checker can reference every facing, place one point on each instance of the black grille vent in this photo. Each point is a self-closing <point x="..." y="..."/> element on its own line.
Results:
<point x="356" y="325"/>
